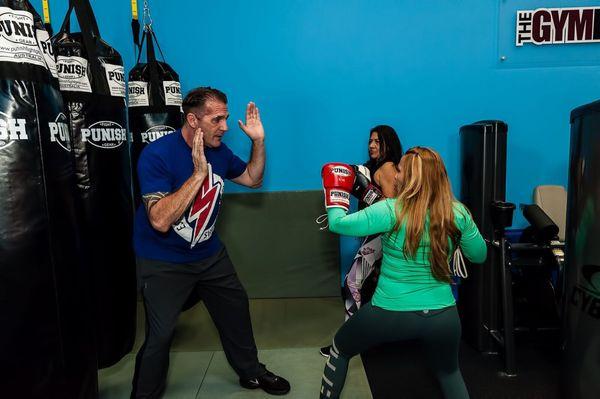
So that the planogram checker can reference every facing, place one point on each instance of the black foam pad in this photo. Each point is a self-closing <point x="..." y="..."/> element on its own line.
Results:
<point x="545" y="229"/>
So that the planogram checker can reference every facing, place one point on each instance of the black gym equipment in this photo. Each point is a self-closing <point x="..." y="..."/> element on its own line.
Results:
<point x="524" y="277"/>
<point x="516" y="277"/>
<point x="581" y="329"/>
<point x="483" y="180"/>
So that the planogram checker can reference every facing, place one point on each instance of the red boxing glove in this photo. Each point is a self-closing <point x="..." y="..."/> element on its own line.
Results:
<point x="338" y="179"/>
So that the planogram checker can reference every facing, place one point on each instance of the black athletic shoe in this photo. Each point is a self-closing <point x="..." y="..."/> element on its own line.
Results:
<point x="269" y="382"/>
<point x="325" y="351"/>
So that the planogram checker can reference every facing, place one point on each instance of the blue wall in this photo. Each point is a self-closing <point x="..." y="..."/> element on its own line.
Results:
<point x="324" y="71"/>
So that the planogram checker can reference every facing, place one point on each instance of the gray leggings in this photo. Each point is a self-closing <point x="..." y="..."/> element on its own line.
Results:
<point x="438" y="330"/>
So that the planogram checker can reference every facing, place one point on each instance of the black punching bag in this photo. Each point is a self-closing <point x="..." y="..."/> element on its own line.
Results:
<point x="154" y="102"/>
<point x="46" y="345"/>
<point x="92" y="82"/>
<point x="582" y="271"/>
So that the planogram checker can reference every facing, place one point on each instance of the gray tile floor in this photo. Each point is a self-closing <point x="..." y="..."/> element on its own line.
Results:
<point x="288" y="333"/>
<point x="206" y="375"/>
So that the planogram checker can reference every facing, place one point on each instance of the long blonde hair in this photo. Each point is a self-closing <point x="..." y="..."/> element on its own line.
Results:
<point x="423" y="186"/>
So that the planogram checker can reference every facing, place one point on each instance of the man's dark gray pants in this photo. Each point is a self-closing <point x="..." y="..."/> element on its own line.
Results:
<point x="165" y="287"/>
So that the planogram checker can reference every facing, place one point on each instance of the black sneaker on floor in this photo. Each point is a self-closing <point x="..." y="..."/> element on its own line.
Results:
<point x="268" y="382"/>
<point x="325" y="351"/>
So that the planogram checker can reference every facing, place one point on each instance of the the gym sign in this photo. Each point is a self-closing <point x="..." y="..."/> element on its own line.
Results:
<point x="104" y="134"/>
<point x="11" y="130"/>
<point x="558" y="25"/>
<point x="156" y="132"/>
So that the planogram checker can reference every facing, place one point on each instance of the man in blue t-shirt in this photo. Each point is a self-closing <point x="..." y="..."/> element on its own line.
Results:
<point x="179" y="254"/>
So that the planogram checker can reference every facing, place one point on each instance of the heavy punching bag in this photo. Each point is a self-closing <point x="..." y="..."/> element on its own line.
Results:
<point x="582" y="271"/>
<point x="154" y="101"/>
<point x="46" y="345"/>
<point x="92" y="81"/>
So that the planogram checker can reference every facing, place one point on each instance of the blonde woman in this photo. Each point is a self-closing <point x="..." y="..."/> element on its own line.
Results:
<point x="421" y="228"/>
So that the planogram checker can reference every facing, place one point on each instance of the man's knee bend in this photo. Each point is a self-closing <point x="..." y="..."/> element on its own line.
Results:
<point x="241" y="295"/>
<point x="160" y="340"/>
<point x="241" y="303"/>
<point x="243" y="300"/>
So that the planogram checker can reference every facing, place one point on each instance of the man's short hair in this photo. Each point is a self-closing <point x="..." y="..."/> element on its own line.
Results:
<point x="198" y="97"/>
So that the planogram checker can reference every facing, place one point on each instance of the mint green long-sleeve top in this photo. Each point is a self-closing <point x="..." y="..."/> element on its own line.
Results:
<point x="406" y="283"/>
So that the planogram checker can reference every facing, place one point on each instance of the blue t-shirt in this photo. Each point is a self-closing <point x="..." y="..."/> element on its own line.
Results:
<point x="163" y="167"/>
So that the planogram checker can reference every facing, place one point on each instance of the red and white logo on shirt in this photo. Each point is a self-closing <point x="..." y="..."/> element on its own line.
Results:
<point x="198" y="222"/>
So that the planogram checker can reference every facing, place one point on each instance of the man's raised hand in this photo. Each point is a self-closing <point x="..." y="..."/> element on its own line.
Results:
<point x="200" y="164"/>
<point x="253" y="126"/>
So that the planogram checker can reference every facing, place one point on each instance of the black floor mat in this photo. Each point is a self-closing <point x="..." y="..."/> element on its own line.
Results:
<point x="399" y="371"/>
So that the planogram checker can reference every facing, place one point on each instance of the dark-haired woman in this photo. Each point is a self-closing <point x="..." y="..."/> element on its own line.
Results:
<point x="385" y="151"/>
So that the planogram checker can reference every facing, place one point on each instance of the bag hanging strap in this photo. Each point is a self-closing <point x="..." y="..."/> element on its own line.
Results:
<point x="46" y="12"/>
<point x="135" y="27"/>
<point x="152" y="66"/>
